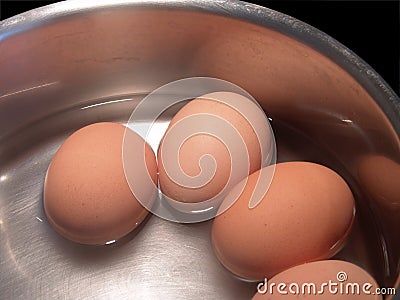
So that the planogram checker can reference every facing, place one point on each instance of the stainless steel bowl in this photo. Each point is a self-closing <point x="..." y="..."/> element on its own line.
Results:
<point x="74" y="63"/>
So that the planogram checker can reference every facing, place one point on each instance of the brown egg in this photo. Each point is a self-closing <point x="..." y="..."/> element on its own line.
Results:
<point x="212" y="143"/>
<point x="86" y="195"/>
<point x="322" y="280"/>
<point x="304" y="216"/>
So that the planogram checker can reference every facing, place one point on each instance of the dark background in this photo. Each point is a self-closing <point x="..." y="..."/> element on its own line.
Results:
<point x="369" y="28"/>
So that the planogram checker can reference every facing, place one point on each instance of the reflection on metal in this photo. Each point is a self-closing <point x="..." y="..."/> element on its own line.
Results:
<point x="347" y="121"/>
<point x="10" y="253"/>
<point x="28" y="89"/>
<point x="107" y="102"/>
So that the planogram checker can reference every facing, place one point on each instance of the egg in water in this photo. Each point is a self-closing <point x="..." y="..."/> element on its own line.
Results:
<point x="86" y="195"/>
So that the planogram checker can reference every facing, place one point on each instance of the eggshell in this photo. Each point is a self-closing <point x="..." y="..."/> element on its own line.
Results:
<point x="323" y="280"/>
<point x="201" y="151"/>
<point x="86" y="195"/>
<point x="304" y="216"/>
